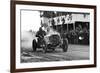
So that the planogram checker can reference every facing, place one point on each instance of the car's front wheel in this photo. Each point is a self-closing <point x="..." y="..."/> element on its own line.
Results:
<point x="65" y="45"/>
<point x="44" y="46"/>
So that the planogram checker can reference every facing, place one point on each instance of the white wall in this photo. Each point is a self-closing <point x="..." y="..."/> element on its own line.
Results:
<point x="5" y="36"/>
<point x="80" y="17"/>
<point x="29" y="21"/>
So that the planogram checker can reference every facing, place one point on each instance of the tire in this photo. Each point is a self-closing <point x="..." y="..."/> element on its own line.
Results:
<point x="44" y="47"/>
<point x="34" y="45"/>
<point x="65" y="45"/>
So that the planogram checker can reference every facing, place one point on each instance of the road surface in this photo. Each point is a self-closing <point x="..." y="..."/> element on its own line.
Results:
<point x="75" y="52"/>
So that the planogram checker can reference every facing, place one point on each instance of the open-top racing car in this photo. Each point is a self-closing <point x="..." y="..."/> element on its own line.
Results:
<point x="51" y="40"/>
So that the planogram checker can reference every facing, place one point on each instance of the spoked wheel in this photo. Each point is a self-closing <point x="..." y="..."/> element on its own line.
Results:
<point x="44" y="46"/>
<point x="65" y="45"/>
<point x="34" y="45"/>
<point x="44" y="49"/>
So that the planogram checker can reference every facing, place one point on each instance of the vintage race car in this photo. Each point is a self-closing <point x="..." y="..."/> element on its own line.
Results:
<point x="51" y="41"/>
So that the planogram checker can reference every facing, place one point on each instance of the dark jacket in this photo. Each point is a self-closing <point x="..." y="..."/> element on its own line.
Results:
<point x="41" y="33"/>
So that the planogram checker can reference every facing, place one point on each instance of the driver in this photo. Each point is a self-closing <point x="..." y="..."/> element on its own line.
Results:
<point x="40" y="34"/>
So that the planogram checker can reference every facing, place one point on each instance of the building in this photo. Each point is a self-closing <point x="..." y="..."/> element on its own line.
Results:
<point x="68" y="23"/>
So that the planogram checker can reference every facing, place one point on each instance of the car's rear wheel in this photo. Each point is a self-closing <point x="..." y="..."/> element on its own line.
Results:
<point x="65" y="45"/>
<point x="34" y="45"/>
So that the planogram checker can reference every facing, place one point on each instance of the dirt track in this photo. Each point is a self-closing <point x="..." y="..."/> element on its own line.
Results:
<point x="75" y="52"/>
